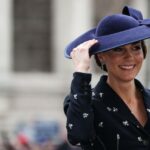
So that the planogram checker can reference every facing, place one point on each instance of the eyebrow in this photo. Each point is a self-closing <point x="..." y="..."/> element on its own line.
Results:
<point x="138" y="42"/>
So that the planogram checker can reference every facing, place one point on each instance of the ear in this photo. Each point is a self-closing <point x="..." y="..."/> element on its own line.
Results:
<point x="101" y="57"/>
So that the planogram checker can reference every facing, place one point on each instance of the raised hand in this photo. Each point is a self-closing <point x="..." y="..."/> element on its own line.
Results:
<point x="80" y="56"/>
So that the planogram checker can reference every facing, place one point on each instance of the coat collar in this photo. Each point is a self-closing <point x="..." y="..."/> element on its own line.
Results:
<point x="112" y="100"/>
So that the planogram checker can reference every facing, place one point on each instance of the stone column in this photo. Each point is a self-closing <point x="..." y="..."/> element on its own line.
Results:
<point x="71" y="18"/>
<point x="5" y="36"/>
<point x="5" y="56"/>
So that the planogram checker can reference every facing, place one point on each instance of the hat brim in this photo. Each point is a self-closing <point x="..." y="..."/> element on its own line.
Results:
<point x="110" y="41"/>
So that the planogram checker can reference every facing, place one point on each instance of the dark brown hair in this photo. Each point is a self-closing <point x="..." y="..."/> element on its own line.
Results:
<point x="103" y="66"/>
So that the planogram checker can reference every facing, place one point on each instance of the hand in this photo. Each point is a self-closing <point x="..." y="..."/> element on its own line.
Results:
<point x="80" y="56"/>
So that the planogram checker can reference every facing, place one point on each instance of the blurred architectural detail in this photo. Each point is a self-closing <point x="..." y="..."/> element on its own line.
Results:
<point x="32" y="51"/>
<point x="105" y="7"/>
<point x="34" y="75"/>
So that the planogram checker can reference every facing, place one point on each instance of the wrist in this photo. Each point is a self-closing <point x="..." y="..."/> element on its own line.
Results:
<point x="83" y="69"/>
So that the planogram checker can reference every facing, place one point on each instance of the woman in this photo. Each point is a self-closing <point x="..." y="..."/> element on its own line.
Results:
<point x="115" y="115"/>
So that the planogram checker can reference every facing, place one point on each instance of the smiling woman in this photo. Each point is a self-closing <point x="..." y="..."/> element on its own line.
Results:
<point x="123" y="63"/>
<point x="115" y="114"/>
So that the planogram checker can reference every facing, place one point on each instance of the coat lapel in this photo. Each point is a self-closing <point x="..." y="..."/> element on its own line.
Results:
<point x="146" y="96"/>
<point x="112" y="101"/>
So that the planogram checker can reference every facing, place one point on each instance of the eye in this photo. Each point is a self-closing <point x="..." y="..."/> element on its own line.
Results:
<point x="137" y="47"/>
<point x="118" y="49"/>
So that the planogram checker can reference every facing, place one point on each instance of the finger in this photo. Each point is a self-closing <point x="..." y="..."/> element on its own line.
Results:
<point x="87" y="44"/>
<point x="91" y="43"/>
<point x="72" y="54"/>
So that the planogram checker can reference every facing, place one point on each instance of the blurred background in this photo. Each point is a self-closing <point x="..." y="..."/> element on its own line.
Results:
<point x="34" y="75"/>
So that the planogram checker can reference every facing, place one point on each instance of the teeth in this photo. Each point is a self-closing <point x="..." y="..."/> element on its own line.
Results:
<point x="127" y="66"/>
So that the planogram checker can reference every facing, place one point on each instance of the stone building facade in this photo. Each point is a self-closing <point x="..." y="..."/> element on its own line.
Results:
<point x="34" y="75"/>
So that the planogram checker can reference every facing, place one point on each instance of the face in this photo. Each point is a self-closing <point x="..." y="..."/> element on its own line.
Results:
<point x="123" y="63"/>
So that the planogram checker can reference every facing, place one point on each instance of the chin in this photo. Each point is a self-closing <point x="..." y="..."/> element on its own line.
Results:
<point x="128" y="78"/>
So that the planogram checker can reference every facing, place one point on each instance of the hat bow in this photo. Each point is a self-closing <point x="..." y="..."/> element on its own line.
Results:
<point x="136" y="15"/>
<point x="144" y="22"/>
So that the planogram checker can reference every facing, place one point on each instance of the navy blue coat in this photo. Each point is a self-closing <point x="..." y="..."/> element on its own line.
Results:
<point x="98" y="119"/>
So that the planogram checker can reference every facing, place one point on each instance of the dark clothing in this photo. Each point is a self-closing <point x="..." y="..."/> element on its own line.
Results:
<point x="98" y="119"/>
<point x="66" y="146"/>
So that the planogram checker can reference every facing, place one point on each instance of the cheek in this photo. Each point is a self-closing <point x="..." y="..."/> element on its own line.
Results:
<point x="140" y="58"/>
<point x="112" y="63"/>
<point x="113" y="60"/>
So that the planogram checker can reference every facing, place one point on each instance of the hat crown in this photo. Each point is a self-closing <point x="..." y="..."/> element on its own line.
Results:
<point x="114" y="31"/>
<point x="115" y="23"/>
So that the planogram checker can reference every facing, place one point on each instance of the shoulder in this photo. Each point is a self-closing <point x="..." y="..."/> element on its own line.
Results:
<point x="101" y="84"/>
<point x="143" y="89"/>
<point x="147" y="91"/>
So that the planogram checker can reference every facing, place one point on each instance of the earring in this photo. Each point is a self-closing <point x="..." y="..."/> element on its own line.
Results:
<point x="103" y="66"/>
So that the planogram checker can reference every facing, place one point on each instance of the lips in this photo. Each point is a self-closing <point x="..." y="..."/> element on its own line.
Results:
<point x="127" y="67"/>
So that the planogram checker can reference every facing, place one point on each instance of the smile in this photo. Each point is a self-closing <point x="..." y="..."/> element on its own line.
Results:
<point x="127" y="67"/>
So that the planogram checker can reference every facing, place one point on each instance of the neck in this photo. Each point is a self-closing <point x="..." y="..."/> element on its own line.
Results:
<point x="126" y="90"/>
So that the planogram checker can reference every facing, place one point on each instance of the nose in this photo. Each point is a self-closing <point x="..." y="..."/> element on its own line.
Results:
<point x="128" y="52"/>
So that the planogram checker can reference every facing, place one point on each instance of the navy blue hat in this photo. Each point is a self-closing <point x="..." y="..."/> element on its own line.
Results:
<point x="114" y="31"/>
